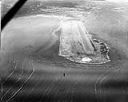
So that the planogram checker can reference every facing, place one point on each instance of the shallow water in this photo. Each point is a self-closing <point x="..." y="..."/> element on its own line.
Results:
<point x="36" y="73"/>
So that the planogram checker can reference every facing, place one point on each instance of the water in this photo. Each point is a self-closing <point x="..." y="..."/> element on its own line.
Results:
<point x="40" y="77"/>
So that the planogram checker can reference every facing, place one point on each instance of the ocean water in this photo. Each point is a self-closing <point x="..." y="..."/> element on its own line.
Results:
<point x="32" y="74"/>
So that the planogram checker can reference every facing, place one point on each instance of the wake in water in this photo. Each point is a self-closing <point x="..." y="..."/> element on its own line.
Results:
<point x="77" y="45"/>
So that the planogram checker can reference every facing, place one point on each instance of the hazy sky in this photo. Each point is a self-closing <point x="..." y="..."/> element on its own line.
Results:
<point x="118" y="0"/>
<point x="74" y="0"/>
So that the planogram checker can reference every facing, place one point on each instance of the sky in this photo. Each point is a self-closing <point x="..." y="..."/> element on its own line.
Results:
<point x="74" y="0"/>
<point x="117" y="0"/>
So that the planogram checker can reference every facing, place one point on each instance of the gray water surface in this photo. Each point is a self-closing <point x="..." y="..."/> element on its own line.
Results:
<point x="32" y="74"/>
